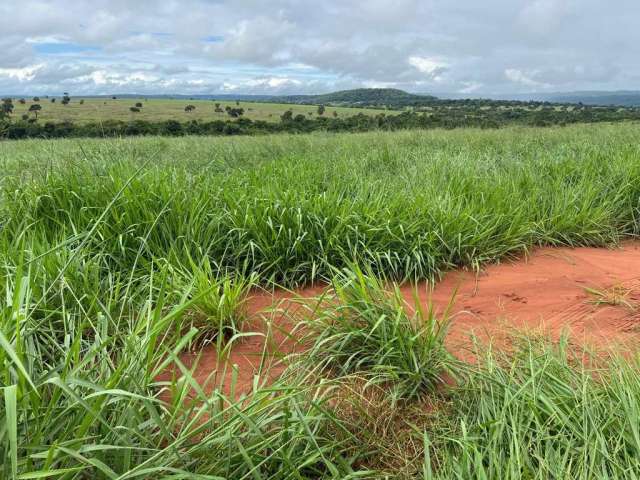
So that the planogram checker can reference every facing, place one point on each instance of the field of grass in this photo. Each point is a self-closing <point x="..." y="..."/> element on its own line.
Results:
<point x="118" y="255"/>
<point x="103" y="109"/>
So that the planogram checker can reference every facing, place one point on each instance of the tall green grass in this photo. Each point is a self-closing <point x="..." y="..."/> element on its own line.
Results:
<point x="91" y="395"/>
<point x="366" y="327"/>
<point x="110" y="249"/>
<point x="409" y="205"/>
<point x="545" y="412"/>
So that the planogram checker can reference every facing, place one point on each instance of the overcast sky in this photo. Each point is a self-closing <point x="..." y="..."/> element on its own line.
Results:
<point x="287" y="46"/>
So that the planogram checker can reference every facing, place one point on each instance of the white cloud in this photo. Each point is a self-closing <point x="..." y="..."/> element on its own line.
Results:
<point x="289" y="46"/>
<point x="430" y="66"/>
<point x="470" y="87"/>
<point x="21" y="74"/>
<point x="518" y="76"/>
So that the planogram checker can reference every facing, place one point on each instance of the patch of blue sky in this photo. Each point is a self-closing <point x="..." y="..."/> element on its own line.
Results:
<point x="213" y="39"/>
<point x="62" y="48"/>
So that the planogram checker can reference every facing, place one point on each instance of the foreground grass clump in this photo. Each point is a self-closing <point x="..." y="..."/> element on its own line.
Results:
<point x="88" y="396"/>
<point x="542" y="414"/>
<point x="362" y="328"/>
<point x="218" y="303"/>
<point x="538" y="413"/>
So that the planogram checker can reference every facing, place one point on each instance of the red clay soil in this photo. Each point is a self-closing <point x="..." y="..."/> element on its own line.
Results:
<point x="546" y="292"/>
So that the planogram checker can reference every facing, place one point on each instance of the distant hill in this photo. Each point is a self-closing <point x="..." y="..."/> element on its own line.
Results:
<point x="602" y="98"/>
<point x="622" y="98"/>
<point x="359" y="97"/>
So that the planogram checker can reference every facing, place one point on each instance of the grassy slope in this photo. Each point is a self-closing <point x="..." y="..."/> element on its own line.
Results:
<point x="99" y="109"/>
<point x="101" y="241"/>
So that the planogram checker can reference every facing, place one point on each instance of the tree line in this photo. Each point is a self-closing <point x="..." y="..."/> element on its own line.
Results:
<point x="289" y="123"/>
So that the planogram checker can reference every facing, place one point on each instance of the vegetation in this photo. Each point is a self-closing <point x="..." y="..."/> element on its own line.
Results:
<point x="105" y="109"/>
<point x="369" y="97"/>
<point x="120" y="254"/>
<point x="364" y="329"/>
<point x="300" y="123"/>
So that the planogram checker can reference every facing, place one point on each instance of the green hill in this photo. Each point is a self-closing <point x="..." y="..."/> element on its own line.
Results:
<point x="360" y="97"/>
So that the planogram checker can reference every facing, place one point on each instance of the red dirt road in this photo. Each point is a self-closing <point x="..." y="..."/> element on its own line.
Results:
<point x="542" y="293"/>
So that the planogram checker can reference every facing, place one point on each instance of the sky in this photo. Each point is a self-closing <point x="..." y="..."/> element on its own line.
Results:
<point x="466" y="47"/>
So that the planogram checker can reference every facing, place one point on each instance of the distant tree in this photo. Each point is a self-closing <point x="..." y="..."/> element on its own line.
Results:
<point x="320" y="109"/>
<point x="53" y="100"/>
<point x="114" y="98"/>
<point x="287" y="116"/>
<point x="35" y="108"/>
<point x="335" y="114"/>
<point x="238" y="103"/>
<point x="25" y="116"/>
<point x="189" y="108"/>
<point x="7" y="106"/>
<point x="66" y="99"/>
<point x="234" y="112"/>
<point x="22" y="101"/>
<point x="82" y="101"/>
<point x="36" y="99"/>
<point x="138" y="104"/>
<point x="134" y="109"/>
<point x="218" y="108"/>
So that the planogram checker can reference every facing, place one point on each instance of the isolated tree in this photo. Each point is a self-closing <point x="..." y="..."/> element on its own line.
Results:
<point x="65" y="99"/>
<point x="35" y="108"/>
<point x="7" y="106"/>
<point x="82" y="101"/>
<point x="53" y="100"/>
<point x="287" y="116"/>
<point x="138" y="104"/>
<point x="218" y="108"/>
<point x="238" y="103"/>
<point x="25" y="116"/>
<point x="22" y="101"/>
<point x="189" y="108"/>
<point x="36" y="99"/>
<point x="320" y="109"/>
<point x="114" y="97"/>
<point x="134" y="109"/>
<point x="234" y="112"/>
<point x="335" y="114"/>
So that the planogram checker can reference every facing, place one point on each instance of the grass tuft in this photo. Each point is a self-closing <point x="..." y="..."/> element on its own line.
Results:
<point x="366" y="329"/>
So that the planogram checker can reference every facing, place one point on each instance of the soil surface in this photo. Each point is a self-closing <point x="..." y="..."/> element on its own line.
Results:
<point x="592" y="294"/>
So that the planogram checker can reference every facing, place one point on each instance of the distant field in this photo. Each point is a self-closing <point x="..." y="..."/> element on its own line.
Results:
<point x="102" y="109"/>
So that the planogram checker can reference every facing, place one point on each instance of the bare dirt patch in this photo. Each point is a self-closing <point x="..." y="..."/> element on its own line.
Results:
<point x="548" y="292"/>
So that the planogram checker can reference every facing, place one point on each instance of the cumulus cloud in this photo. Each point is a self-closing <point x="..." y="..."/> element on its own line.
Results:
<point x="20" y="74"/>
<point x="429" y="66"/>
<point x="518" y="76"/>
<point x="287" y="46"/>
